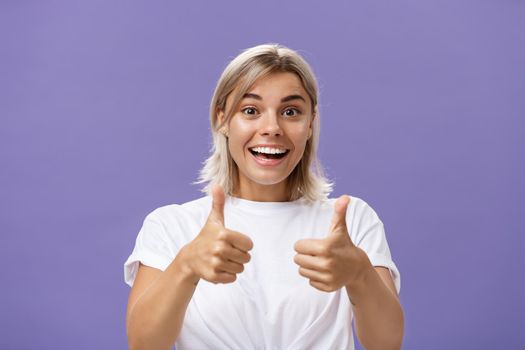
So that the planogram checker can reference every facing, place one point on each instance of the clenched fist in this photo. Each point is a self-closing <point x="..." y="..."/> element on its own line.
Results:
<point x="332" y="262"/>
<point x="217" y="254"/>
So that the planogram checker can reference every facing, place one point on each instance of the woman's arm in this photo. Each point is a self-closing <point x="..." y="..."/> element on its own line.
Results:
<point x="379" y="320"/>
<point x="335" y="262"/>
<point x="158" y="300"/>
<point x="157" y="304"/>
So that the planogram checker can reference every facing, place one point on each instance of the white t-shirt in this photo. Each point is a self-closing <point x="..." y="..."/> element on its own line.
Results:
<point x="269" y="306"/>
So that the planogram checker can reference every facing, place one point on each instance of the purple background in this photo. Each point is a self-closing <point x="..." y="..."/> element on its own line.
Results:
<point x="104" y="117"/>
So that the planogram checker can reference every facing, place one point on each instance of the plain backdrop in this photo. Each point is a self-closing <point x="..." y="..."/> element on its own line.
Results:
<point x="104" y="117"/>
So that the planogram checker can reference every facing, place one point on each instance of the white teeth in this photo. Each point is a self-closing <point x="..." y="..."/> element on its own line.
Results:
<point x="268" y="150"/>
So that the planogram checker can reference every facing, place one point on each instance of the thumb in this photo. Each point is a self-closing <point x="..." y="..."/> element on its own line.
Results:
<point x="339" y="217"/>
<point x="217" y="205"/>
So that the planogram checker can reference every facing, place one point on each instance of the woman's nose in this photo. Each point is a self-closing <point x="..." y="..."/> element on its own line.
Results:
<point x="270" y="124"/>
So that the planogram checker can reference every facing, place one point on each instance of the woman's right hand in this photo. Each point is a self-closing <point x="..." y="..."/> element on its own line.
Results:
<point x="217" y="254"/>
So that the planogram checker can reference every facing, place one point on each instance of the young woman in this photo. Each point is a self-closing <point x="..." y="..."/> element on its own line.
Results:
<point x="266" y="260"/>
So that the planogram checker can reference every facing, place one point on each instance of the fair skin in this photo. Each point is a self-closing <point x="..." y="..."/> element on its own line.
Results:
<point x="263" y="118"/>
<point x="277" y="111"/>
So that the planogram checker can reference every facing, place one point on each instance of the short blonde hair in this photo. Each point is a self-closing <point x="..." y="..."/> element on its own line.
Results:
<point x="307" y="179"/>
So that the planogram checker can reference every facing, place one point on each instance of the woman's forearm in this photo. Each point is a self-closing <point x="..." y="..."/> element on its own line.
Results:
<point x="156" y="318"/>
<point x="379" y="320"/>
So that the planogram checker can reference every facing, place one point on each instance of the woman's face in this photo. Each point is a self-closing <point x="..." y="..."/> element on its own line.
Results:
<point x="268" y="134"/>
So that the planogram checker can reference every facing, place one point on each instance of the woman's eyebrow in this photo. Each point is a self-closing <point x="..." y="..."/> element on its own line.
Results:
<point x="284" y="99"/>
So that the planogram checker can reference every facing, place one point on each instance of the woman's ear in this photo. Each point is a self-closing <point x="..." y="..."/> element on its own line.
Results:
<point x="220" y="116"/>
<point x="311" y="126"/>
<point x="220" y="119"/>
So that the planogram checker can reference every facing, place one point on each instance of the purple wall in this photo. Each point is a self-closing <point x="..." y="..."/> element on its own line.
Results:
<point x="104" y="117"/>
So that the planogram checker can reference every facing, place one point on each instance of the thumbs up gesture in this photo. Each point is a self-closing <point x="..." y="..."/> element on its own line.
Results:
<point x="217" y="254"/>
<point x="332" y="262"/>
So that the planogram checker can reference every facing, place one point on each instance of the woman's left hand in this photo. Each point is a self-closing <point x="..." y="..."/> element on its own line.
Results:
<point x="332" y="262"/>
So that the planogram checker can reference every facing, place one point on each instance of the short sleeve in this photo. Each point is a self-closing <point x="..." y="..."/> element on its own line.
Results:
<point x="152" y="248"/>
<point x="368" y="233"/>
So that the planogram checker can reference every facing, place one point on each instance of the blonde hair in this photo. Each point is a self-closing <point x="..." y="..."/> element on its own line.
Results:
<point x="307" y="179"/>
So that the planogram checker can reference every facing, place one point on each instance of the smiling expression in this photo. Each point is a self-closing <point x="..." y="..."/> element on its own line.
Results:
<point x="274" y="116"/>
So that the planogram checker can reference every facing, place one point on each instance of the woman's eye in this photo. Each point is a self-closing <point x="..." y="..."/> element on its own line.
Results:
<point x="249" y="111"/>
<point x="291" y="112"/>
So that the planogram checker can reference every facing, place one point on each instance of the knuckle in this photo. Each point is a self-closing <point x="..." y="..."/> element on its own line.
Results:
<point x="329" y="264"/>
<point x="215" y="249"/>
<point x="210" y="276"/>
<point x="324" y="249"/>
<point x="215" y="263"/>
<point x="218" y="249"/>
<point x="222" y="234"/>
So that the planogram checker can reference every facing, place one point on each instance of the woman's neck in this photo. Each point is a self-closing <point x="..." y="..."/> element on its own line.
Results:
<point x="263" y="193"/>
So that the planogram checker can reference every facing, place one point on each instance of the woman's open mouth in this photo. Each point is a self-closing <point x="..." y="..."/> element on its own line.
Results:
<point x="268" y="156"/>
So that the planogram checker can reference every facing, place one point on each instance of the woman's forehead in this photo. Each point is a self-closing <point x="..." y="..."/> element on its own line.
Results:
<point x="281" y="84"/>
<point x="284" y="80"/>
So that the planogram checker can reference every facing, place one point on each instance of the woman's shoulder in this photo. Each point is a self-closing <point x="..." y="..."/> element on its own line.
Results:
<point x="359" y="202"/>
<point x="194" y="208"/>
<point x="355" y="201"/>
<point x="358" y="207"/>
